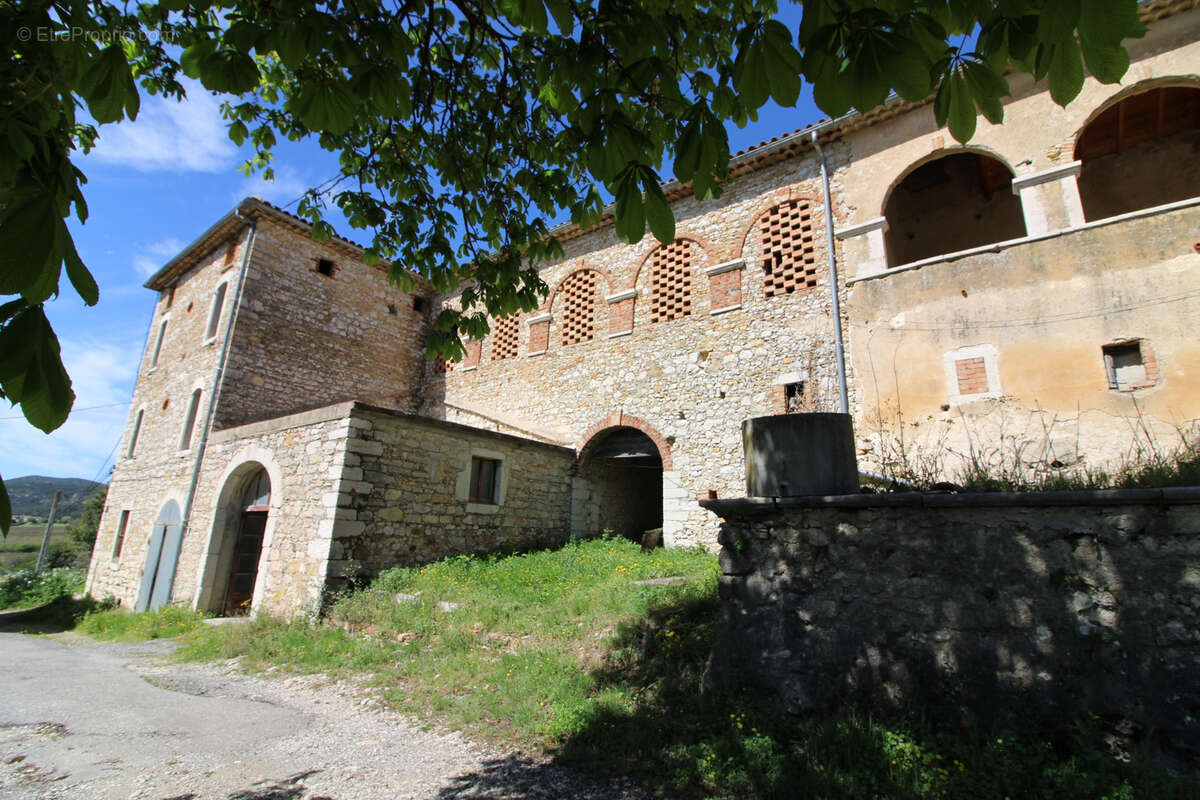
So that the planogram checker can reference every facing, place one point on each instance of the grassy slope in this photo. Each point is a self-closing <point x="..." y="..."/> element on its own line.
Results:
<point x="561" y="651"/>
<point x="20" y="549"/>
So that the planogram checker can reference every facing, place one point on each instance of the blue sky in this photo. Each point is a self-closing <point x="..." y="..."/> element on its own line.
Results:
<point x="153" y="186"/>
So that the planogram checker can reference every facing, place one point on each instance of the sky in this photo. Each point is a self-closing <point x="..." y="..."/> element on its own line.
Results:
<point x="153" y="186"/>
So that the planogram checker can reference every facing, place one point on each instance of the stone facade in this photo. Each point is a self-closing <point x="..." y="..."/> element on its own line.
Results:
<point x="1013" y="297"/>
<point x="972" y="608"/>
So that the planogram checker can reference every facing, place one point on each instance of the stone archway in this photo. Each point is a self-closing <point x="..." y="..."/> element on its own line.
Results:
<point x="620" y="479"/>
<point x="241" y="529"/>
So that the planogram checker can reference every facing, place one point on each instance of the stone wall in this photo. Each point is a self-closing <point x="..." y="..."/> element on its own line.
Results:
<point x="403" y="494"/>
<point x="970" y="608"/>
<point x="691" y="379"/>
<point x="307" y="340"/>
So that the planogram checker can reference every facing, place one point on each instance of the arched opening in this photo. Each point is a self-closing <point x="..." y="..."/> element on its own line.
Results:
<point x="952" y="203"/>
<point x="623" y="469"/>
<point x="247" y="548"/>
<point x="1140" y="152"/>
<point x="162" y="555"/>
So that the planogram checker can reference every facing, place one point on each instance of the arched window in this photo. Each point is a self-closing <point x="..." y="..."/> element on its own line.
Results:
<point x="189" y="422"/>
<point x="1143" y="151"/>
<point x="671" y="281"/>
<point x="580" y="295"/>
<point x="952" y="203"/>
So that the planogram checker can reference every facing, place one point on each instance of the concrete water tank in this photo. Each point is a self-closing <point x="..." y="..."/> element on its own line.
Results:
<point x="791" y="455"/>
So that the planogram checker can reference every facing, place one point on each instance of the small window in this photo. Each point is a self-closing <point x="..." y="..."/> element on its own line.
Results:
<point x="169" y="296"/>
<point x="133" y="437"/>
<point x="214" y="314"/>
<point x="418" y="304"/>
<point x="189" y="422"/>
<point x="325" y="267"/>
<point x="795" y="398"/>
<point x="119" y="542"/>
<point x="1129" y="366"/>
<point x="485" y="473"/>
<point x="162" y="334"/>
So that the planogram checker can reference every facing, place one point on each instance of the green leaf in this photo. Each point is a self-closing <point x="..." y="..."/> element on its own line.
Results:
<point x="1102" y="26"/>
<point x="658" y="211"/>
<point x="563" y="18"/>
<point x="987" y="88"/>
<point x="107" y="86"/>
<point x="326" y="106"/>
<point x="191" y="58"/>
<point x="630" y="213"/>
<point x="228" y="70"/>
<point x="31" y="370"/>
<point x="687" y="151"/>
<point x="750" y="74"/>
<point x="77" y="273"/>
<point x="1066" y="73"/>
<point x="1057" y="20"/>
<point x="27" y="245"/>
<point x="960" y="108"/>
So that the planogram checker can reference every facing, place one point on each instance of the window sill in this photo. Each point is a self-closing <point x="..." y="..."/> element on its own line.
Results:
<point x="724" y="310"/>
<point x="482" y="508"/>
<point x="209" y="341"/>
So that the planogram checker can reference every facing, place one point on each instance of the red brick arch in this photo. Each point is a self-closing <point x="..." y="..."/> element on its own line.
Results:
<point x="776" y="198"/>
<point x="705" y="256"/>
<point x="619" y="419"/>
<point x="548" y="306"/>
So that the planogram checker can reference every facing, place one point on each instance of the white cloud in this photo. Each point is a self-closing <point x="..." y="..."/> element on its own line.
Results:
<point x="152" y="256"/>
<point x="102" y="376"/>
<point x="287" y="186"/>
<point x="170" y="136"/>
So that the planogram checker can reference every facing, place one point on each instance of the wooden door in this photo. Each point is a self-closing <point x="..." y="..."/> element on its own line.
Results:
<point x="244" y="570"/>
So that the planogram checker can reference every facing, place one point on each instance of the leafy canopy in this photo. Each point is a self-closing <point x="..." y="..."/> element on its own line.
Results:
<point x="463" y="126"/>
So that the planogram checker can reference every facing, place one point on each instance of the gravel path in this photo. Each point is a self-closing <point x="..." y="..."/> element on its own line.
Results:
<point x="81" y="720"/>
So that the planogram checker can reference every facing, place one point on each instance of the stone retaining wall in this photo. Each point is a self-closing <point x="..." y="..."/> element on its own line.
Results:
<point x="990" y="608"/>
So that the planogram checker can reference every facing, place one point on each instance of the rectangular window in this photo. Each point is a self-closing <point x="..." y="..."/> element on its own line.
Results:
<point x="119" y="542"/>
<point x="189" y="422"/>
<point x="162" y="334"/>
<point x="485" y="473"/>
<point x="133" y="437"/>
<point x="1126" y="366"/>
<point x="214" y="315"/>
<point x="325" y="267"/>
<point x="795" y="398"/>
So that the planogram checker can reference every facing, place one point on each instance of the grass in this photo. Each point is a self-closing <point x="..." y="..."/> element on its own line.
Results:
<point x="561" y="651"/>
<point x="19" y="550"/>
<point x="114" y="624"/>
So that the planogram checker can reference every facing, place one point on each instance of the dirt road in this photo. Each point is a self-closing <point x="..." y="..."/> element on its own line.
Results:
<point x="80" y="720"/>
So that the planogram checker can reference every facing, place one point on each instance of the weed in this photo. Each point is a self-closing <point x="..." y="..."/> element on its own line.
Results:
<point x="121" y="625"/>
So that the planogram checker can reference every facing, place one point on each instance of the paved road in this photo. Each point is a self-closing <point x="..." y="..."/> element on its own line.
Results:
<point x="82" y="720"/>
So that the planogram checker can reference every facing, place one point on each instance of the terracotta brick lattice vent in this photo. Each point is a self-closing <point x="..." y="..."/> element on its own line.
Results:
<point x="972" y="376"/>
<point x="441" y="366"/>
<point x="789" y="258"/>
<point x="671" y="282"/>
<point x="505" y="334"/>
<point x="579" y="313"/>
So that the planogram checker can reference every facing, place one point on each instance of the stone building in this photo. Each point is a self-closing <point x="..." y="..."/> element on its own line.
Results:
<point x="1032" y="296"/>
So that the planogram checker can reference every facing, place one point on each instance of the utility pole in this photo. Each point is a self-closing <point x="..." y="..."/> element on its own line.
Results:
<point x="46" y="537"/>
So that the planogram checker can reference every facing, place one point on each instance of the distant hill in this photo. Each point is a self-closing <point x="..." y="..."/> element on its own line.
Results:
<point x="32" y="494"/>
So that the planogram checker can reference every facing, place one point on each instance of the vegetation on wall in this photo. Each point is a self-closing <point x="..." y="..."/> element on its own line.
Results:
<point x="463" y="128"/>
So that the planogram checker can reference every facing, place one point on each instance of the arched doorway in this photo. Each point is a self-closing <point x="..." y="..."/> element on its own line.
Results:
<point x="951" y="203"/>
<point x="623" y="470"/>
<point x="253" y="508"/>
<point x="162" y="555"/>
<point x="1140" y="152"/>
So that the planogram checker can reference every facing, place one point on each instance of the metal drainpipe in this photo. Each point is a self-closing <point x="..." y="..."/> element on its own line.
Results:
<point x="215" y="393"/>
<point x="833" y="281"/>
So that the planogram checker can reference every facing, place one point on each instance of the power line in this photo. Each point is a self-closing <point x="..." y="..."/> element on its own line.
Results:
<point x="73" y="410"/>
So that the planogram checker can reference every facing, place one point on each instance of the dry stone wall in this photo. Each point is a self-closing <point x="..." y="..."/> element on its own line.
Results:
<point x="970" y="608"/>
